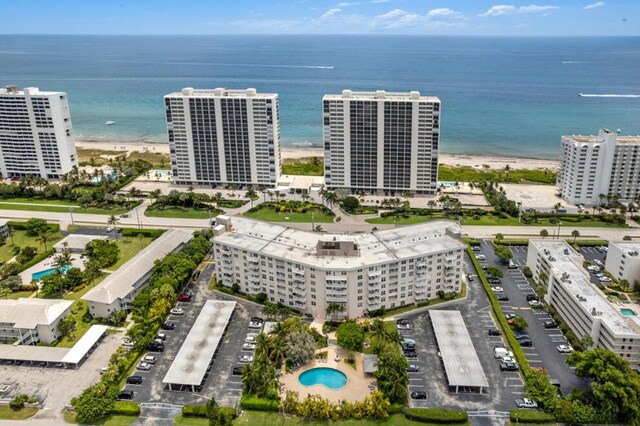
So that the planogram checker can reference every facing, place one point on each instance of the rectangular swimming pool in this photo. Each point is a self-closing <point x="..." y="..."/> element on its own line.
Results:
<point x="37" y="276"/>
<point x="627" y="312"/>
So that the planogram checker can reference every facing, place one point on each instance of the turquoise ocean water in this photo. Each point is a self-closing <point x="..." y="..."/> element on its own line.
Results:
<point x="501" y="96"/>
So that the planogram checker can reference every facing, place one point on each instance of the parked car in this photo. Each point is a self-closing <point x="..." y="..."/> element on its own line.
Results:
<point x="126" y="394"/>
<point x="509" y="359"/>
<point x="143" y="366"/>
<point x="104" y="370"/>
<point x="598" y="262"/>
<point x="525" y="342"/>
<point x="168" y="326"/>
<point x="237" y="370"/>
<point x="161" y="336"/>
<point x="176" y="311"/>
<point x="509" y="315"/>
<point x="476" y="248"/>
<point x="184" y="297"/>
<point x="412" y="368"/>
<point x="418" y="395"/>
<point x="502" y="297"/>
<point x="493" y="280"/>
<point x="251" y="338"/>
<point x="512" y="264"/>
<point x="156" y="347"/>
<point x="149" y="359"/>
<point x="565" y="349"/>
<point x="257" y="319"/>
<point x="508" y="366"/>
<point x="535" y="302"/>
<point x="403" y="324"/>
<point x="481" y="257"/>
<point x="255" y="324"/>
<point x="605" y="279"/>
<point x="134" y="380"/>
<point x="248" y="346"/>
<point x="246" y="358"/>
<point x="493" y="332"/>
<point x="501" y="352"/>
<point x="531" y="297"/>
<point x="550" y="324"/>
<point x="598" y="249"/>
<point x="127" y="342"/>
<point x="526" y="403"/>
<point x="408" y="343"/>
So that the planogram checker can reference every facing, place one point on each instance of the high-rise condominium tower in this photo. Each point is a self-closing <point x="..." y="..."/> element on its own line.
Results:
<point x="35" y="133"/>
<point x="222" y="137"/>
<point x="381" y="142"/>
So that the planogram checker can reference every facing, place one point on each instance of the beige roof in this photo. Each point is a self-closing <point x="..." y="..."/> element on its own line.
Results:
<point x="120" y="284"/>
<point x="78" y="241"/>
<point x="29" y="313"/>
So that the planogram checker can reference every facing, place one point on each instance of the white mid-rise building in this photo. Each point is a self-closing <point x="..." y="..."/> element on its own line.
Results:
<point x="224" y="137"/>
<point x="35" y="134"/>
<point x="362" y="272"/>
<point x="381" y="142"/>
<point x="623" y="261"/>
<point x="582" y="306"/>
<point x="29" y="321"/>
<point x="596" y="168"/>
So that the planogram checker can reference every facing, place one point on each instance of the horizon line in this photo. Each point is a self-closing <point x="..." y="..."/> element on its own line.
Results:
<point x="326" y="34"/>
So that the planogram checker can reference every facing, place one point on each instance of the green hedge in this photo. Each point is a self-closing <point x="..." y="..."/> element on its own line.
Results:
<point x="530" y="416"/>
<point x="395" y="409"/>
<point x="194" y="411"/>
<point x="436" y="415"/>
<point x="134" y="232"/>
<point x="589" y="243"/>
<point x="22" y="226"/>
<point x="497" y="310"/>
<point x="39" y="258"/>
<point x="126" y="408"/>
<point x="250" y="402"/>
<point x="512" y="242"/>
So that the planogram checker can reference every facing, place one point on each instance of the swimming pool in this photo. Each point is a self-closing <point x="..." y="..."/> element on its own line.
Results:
<point x="37" y="276"/>
<point x="627" y="312"/>
<point x="328" y="377"/>
<point x="445" y="184"/>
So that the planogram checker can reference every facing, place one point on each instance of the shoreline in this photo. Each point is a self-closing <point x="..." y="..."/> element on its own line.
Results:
<point x="295" y="153"/>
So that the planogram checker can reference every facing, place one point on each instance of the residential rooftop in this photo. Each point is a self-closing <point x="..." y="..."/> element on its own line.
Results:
<point x="77" y="241"/>
<point x="220" y="92"/>
<point x="566" y="264"/>
<point x="620" y="139"/>
<point x="373" y="248"/>
<point x="631" y="248"/>
<point x="28" y="313"/>
<point x="382" y="95"/>
<point x="32" y="91"/>
<point x="121" y="283"/>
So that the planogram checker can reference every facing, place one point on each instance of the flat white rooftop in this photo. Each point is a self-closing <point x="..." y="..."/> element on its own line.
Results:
<point x="74" y="355"/>
<point x="28" y="313"/>
<point x="375" y="248"/>
<point x="620" y="139"/>
<point x="381" y="95"/>
<point x="458" y="353"/>
<point x="220" y="92"/>
<point x="631" y="248"/>
<point x="31" y="91"/>
<point x="566" y="262"/>
<point x="77" y="241"/>
<point x="190" y="364"/>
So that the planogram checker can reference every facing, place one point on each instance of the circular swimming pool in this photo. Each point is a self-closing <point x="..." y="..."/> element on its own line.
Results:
<point x="329" y="377"/>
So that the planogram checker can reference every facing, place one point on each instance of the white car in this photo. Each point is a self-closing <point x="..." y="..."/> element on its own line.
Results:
<point x="251" y="338"/>
<point x="127" y="342"/>
<point x="248" y="346"/>
<point x="149" y="359"/>
<point x="535" y="303"/>
<point x="565" y="349"/>
<point x="526" y="403"/>
<point x="497" y="289"/>
<point x="598" y="262"/>
<point x="246" y="358"/>
<point x="176" y="311"/>
<point x="145" y="366"/>
<point x="605" y="279"/>
<point x="509" y="359"/>
<point x="255" y="324"/>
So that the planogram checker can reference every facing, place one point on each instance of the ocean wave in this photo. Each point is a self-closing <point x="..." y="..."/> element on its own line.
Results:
<point x="576" y="62"/>
<point x="315" y="67"/>
<point x="606" y="95"/>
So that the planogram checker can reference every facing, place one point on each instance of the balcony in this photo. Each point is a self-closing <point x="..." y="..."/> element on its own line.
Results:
<point x="299" y="272"/>
<point x="299" y="304"/>
<point x="333" y="297"/>
<point x="299" y="298"/>
<point x="340" y="278"/>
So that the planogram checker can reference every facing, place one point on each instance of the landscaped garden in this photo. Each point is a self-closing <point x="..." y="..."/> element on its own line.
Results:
<point x="185" y="205"/>
<point x="311" y="166"/>
<point x="291" y="211"/>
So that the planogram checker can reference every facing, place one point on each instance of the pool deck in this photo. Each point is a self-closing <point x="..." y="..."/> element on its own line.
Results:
<point x="356" y="389"/>
<point x="47" y="263"/>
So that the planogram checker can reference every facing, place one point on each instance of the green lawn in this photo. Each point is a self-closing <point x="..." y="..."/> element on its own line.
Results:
<point x="78" y="310"/>
<point x="78" y="294"/>
<point x="60" y="209"/>
<point x="274" y="419"/>
<point x="181" y="213"/>
<point x="70" y="417"/>
<point x="7" y="413"/>
<point x="471" y="174"/>
<point x="129" y="247"/>
<point x="312" y="166"/>
<point x="19" y="294"/>
<point x="390" y="220"/>
<point x="21" y="239"/>
<point x="269" y="215"/>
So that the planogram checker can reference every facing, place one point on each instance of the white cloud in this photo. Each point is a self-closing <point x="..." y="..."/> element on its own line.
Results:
<point x="331" y="12"/>
<point x="594" y="5"/>
<point x="380" y="1"/>
<point x="442" y="11"/>
<point x="347" y="3"/>
<point x="508" y="9"/>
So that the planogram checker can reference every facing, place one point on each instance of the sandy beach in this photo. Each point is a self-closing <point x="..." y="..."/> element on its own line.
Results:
<point x="292" y="153"/>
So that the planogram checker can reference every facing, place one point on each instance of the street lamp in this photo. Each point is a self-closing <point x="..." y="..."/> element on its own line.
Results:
<point x="71" y="213"/>
<point x="559" y="223"/>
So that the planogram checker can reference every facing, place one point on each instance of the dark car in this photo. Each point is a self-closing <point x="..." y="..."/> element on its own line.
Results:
<point x="237" y="370"/>
<point x="257" y="319"/>
<point x="525" y="342"/>
<point x="493" y="332"/>
<point x="126" y="394"/>
<point x="402" y="321"/>
<point x="502" y="297"/>
<point x="168" y="326"/>
<point x="156" y="347"/>
<point x="418" y="395"/>
<point x="410" y="353"/>
<point x="550" y="324"/>
<point x="134" y="380"/>
<point x="494" y="280"/>
<point x="531" y="297"/>
<point x="184" y="297"/>
<point x="508" y="366"/>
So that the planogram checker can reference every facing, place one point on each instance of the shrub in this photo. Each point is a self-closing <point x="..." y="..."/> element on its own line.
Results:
<point x="194" y="411"/>
<point x="530" y="416"/>
<point x="17" y="403"/>
<point x="527" y="272"/>
<point x="133" y="232"/>
<point x="395" y="409"/>
<point x="436" y="415"/>
<point x="126" y="408"/>
<point x="228" y="412"/>
<point x="250" y="402"/>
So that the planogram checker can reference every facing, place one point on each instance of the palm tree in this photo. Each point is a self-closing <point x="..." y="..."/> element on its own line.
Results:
<point x="331" y="198"/>
<point x="113" y="221"/>
<point x="59" y="263"/>
<point x="432" y="204"/>
<point x="44" y="237"/>
<point x="575" y="234"/>
<point x="334" y="308"/>
<point x="251" y="194"/>
<point x="155" y="194"/>
<point x="544" y="233"/>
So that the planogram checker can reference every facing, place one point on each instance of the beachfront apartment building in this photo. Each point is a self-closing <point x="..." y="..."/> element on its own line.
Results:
<point x="381" y="142"/>
<point x="35" y="134"/>
<point x="581" y="305"/>
<point x="29" y="321"/>
<point x="362" y="272"/>
<point x="594" y="169"/>
<point x="623" y="261"/>
<point x="224" y="137"/>
<point x="117" y="291"/>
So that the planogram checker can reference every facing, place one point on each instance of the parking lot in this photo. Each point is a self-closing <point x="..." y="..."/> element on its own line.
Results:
<point x="543" y="353"/>
<point x="219" y="381"/>
<point x="504" y="387"/>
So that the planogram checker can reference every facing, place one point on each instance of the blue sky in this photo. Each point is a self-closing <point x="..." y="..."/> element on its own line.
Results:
<point x="451" y="17"/>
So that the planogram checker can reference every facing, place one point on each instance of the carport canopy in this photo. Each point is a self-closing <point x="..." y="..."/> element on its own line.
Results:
<point x="459" y="356"/>
<point x="190" y="364"/>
